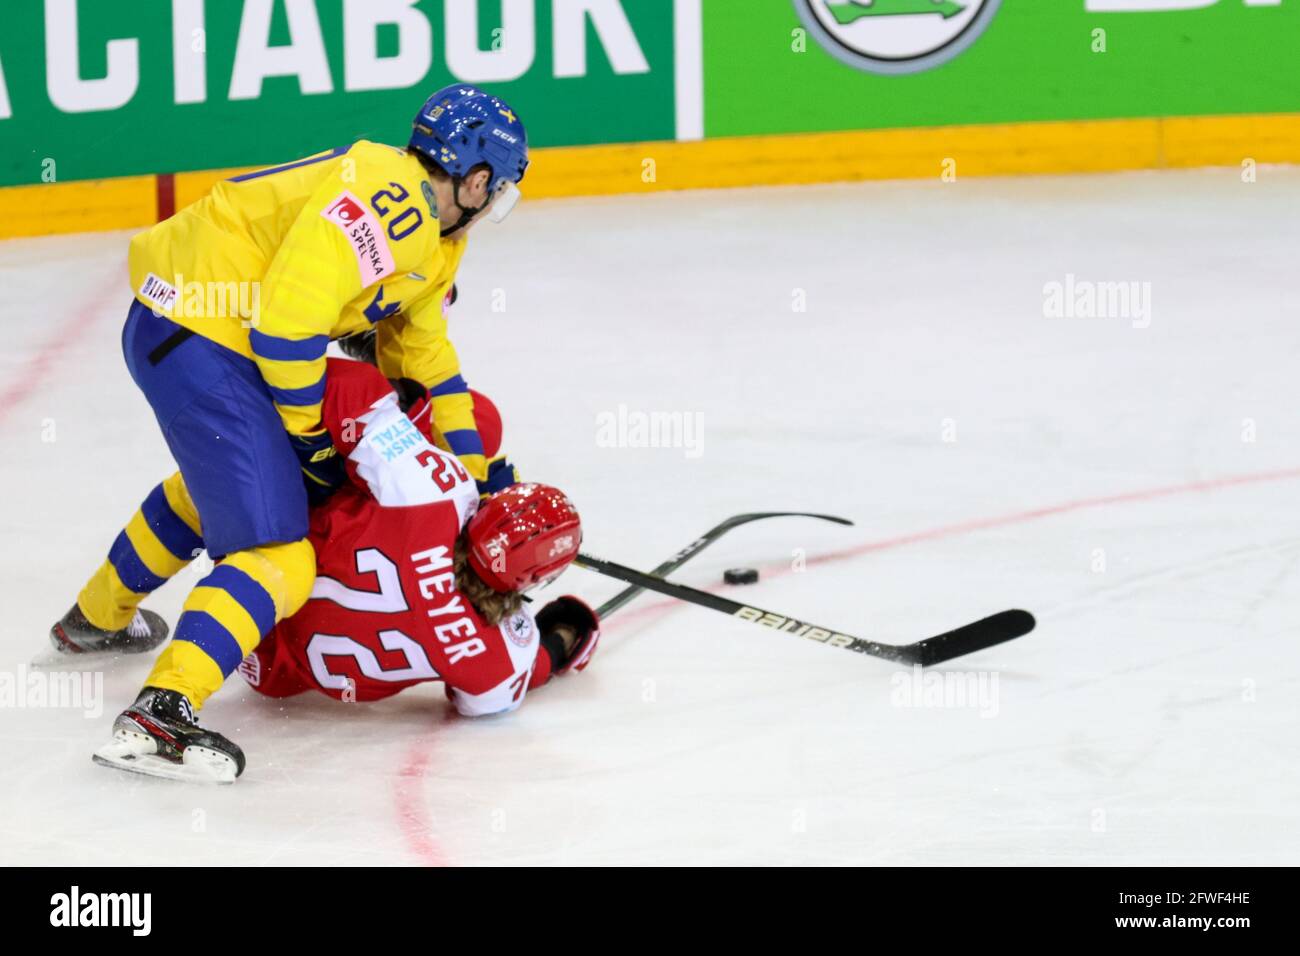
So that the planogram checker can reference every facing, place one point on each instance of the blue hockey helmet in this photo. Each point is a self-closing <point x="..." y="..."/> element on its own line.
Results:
<point x="461" y="127"/>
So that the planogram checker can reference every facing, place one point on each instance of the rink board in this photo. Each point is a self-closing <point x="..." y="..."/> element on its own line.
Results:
<point x="947" y="152"/>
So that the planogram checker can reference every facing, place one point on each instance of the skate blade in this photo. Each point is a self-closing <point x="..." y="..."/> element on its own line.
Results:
<point x="136" y="753"/>
<point x="51" y="659"/>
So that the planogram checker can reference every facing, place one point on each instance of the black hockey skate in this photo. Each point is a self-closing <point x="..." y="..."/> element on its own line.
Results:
<point x="73" y="634"/>
<point x="158" y="736"/>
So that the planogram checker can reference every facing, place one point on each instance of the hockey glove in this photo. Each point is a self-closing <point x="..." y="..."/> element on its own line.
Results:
<point x="323" y="471"/>
<point x="500" y="475"/>
<point x="570" y="631"/>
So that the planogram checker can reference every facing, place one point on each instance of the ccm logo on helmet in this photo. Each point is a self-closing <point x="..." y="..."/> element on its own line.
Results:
<point x="506" y="136"/>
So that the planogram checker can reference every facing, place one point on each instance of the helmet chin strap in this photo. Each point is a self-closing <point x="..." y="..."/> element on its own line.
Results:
<point x="467" y="213"/>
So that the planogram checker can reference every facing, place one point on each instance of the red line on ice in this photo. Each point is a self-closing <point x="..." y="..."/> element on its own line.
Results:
<point x="408" y="797"/>
<point x="981" y="524"/>
<point x="1019" y="517"/>
<point x="68" y="334"/>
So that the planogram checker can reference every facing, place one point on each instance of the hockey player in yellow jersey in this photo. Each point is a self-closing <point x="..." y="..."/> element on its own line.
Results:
<point x="235" y="300"/>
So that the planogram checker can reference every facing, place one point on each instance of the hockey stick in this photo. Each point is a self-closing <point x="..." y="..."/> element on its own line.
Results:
<point x="1000" y="627"/>
<point x="698" y="545"/>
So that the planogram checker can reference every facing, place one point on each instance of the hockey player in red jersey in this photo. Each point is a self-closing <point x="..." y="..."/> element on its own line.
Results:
<point x="416" y="581"/>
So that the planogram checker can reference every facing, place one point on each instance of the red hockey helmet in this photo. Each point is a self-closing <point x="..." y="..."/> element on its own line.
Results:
<point x="522" y="536"/>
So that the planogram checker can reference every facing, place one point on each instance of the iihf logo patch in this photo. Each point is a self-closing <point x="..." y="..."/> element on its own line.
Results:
<point x="250" y="668"/>
<point x="520" y="629"/>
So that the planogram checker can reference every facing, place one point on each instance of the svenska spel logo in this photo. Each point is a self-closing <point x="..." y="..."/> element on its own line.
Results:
<point x="896" y="36"/>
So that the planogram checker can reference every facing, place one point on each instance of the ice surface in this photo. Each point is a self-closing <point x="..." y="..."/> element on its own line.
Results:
<point x="1152" y="718"/>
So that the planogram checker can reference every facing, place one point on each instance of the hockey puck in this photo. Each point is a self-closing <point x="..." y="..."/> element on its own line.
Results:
<point x="741" y="576"/>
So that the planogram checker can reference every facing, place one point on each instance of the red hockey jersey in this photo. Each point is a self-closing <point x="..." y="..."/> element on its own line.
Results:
<point x="384" y="612"/>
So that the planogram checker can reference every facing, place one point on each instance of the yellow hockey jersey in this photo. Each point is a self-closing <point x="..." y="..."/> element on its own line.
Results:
<point x="276" y="263"/>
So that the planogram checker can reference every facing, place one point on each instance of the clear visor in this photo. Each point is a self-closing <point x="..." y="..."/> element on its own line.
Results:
<point x="505" y="199"/>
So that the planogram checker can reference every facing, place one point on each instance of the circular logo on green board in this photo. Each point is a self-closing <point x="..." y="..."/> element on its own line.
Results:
<point x="896" y="36"/>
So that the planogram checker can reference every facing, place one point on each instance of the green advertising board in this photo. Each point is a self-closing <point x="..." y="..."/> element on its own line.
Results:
<point x="106" y="88"/>
<point x="790" y="66"/>
<point x="123" y="87"/>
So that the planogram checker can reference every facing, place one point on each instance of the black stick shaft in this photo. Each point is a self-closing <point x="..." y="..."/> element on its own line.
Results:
<point x="963" y="640"/>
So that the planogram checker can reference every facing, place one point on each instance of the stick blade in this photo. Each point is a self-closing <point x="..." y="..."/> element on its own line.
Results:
<point x="995" y="629"/>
